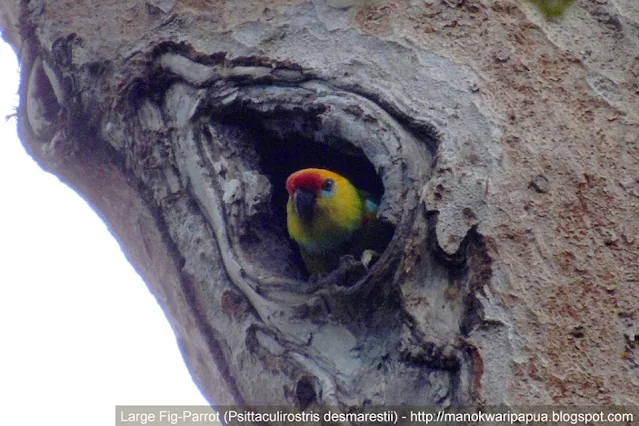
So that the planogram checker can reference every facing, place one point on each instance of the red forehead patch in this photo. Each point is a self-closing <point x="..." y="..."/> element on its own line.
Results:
<point x="309" y="179"/>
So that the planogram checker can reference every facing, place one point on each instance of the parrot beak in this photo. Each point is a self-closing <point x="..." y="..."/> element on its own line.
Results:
<point x="304" y="203"/>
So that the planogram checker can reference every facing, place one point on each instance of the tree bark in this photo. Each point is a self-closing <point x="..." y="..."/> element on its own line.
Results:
<point x="506" y="146"/>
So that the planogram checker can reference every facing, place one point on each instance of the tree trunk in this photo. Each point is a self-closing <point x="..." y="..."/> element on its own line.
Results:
<point x="507" y="148"/>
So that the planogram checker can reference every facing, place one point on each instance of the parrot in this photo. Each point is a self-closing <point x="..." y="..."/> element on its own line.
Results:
<point x="329" y="217"/>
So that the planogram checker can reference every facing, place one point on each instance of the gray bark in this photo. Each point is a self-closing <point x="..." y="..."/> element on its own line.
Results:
<point x="507" y="148"/>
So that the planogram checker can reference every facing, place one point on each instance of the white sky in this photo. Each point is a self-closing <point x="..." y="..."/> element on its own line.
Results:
<point x="79" y="330"/>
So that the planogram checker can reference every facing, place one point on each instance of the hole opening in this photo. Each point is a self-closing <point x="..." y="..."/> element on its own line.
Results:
<point x="305" y="392"/>
<point x="290" y="140"/>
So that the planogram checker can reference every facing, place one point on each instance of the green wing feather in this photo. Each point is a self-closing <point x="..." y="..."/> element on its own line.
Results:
<point x="374" y="234"/>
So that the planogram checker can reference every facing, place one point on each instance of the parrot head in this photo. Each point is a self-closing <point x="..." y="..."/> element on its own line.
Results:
<point x="323" y="210"/>
<point x="328" y="217"/>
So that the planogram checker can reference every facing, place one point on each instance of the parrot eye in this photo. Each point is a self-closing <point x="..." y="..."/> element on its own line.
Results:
<point x="328" y="185"/>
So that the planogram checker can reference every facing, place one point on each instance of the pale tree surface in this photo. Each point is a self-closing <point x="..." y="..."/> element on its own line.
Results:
<point x="506" y="146"/>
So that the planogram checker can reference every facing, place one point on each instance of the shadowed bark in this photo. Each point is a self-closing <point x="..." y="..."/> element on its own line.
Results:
<point x="506" y="148"/>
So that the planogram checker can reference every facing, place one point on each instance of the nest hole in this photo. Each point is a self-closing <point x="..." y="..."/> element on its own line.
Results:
<point x="288" y="141"/>
<point x="305" y="391"/>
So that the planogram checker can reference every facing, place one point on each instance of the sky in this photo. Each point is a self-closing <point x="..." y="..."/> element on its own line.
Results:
<point x="79" y="331"/>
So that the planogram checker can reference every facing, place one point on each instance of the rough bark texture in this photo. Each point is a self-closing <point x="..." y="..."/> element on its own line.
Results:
<point x="507" y="148"/>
